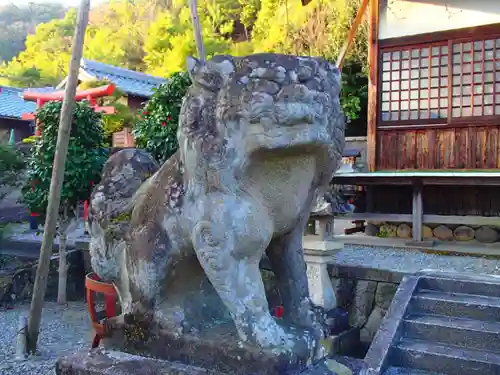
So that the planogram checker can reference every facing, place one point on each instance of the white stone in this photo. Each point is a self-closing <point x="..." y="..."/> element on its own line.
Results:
<point x="368" y="332"/>
<point x="385" y="293"/>
<point x="364" y="296"/>
<point x="320" y="287"/>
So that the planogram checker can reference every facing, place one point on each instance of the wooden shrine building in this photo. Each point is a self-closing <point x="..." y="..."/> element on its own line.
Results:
<point x="434" y="114"/>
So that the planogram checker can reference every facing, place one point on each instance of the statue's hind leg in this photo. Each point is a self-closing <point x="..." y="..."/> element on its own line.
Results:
<point x="229" y="244"/>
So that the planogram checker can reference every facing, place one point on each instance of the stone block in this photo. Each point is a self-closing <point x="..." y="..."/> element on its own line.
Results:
<point x="388" y="230"/>
<point x="427" y="232"/>
<point x="404" y="231"/>
<point x="344" y="289"/>
<point x="486" y="234"/>
<point x="384" y="294"/>
<point x="372" y="325"/>
<point x="443" y="233"/>
<point x="371" y="230"/>
<point x="17" y="277"/>
<point x="463" y="233"/>
<point x="345" y="342"/>
<point x="364" y="296"/>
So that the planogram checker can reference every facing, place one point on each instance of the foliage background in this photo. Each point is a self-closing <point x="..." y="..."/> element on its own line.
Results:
<point x="156" y="36"/>
<point x="156" y="130"/>
<point x="11" y="165"/>
<point x="85" y="159"/>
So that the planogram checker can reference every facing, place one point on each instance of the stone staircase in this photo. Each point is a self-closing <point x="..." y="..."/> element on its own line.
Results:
<point x="440" y="324"/>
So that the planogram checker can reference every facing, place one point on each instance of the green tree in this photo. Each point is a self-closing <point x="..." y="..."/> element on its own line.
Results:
<point x="171" y="39"/>
<point x="16" y="22"/>
<point x="84" y="163"/>
<point x="117" y="32"/>
<point x="47" y="53"/>
<point x="156" y="131"/>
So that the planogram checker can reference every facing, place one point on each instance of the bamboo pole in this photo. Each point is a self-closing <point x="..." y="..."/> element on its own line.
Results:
<point x="200" y="47"/>
<point x="54" y="200"/>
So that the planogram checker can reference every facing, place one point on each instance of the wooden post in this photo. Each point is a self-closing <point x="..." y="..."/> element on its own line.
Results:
<point x="417" y="213"/>
<point x="21" y="338"/>
<point x="372" y="85"/>
<point x="200" y="47"/>
<point x="56" y="182"/>
<point x="352" y="33"/>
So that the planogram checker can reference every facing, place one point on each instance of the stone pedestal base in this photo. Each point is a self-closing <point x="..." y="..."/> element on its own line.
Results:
<point x="118" y="363"/>
<point x="217" y="349"/>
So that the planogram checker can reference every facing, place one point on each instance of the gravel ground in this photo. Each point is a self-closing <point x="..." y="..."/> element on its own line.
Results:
<point x="411" y="260"/>
<point x="63" y="330"/>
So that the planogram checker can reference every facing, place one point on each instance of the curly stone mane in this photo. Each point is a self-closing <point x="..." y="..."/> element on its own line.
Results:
<point x="230" y="94"/>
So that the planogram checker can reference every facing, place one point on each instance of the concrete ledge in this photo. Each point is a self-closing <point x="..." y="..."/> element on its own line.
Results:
<point x="313" y="246"/>
<point x="473" y="248"/>
<point x="363" y="273"/>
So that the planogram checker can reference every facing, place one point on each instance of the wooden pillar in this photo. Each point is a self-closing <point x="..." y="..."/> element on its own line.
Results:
<point x="372" y="85"/>
<point x="417" y="213"/>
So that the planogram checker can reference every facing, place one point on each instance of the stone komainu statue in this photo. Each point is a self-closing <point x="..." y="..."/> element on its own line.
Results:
<point x="259" y="137"/>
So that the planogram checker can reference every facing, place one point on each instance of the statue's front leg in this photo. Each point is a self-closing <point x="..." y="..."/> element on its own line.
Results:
<point x="229" y="244"/>
<point x="287" y="261"/>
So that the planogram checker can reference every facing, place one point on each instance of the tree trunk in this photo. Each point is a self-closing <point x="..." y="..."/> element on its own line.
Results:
<point x="54" y="198"/>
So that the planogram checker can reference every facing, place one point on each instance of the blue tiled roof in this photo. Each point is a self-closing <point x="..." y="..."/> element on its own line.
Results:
<point x="13" y="105"/>
<point x="130" y="82"/>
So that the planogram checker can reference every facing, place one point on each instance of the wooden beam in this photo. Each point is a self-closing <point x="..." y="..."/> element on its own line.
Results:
<point x="372" y="85"/>
<point x="407" y="181"/>
<point x="352" y="33"/>
<point x="417" y="213"/>
<point x="390" y="218"/>
<point x="426" y="219"/>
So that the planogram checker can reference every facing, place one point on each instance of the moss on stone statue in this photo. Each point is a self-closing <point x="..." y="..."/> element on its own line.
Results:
<point x="124" y="216"/>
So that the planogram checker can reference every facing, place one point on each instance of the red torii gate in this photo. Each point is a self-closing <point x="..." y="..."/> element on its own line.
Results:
<point x="90" y="95"/>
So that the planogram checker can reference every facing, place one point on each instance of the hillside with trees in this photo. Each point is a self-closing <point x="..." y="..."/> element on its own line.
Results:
<point x="17" y="22"/>
<point x="156" y="36"/>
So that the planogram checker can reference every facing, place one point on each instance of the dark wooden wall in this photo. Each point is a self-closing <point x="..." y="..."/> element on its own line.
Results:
<point x="473" y="147"/>
<point x="438" y="200"/>
<point x="22" y="129"/>
<point x="136" y="102"/>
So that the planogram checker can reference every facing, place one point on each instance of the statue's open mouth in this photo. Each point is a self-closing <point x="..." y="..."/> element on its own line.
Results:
<point x="286" y="137"/>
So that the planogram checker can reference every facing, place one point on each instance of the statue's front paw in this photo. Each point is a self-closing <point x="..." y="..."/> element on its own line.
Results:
<point x="267" y="333"/>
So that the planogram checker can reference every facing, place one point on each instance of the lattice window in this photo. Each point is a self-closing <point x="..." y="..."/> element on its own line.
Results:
<point x="476" y="78"/>
<point x="415" y="83"/>
<point x="440" y="82"/>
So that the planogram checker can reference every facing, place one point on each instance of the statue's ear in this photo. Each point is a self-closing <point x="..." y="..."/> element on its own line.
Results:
<point x="193" y="65"/>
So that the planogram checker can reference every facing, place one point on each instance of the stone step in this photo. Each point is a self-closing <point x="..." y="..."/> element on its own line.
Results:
<point x="445" y="359"/>
<point x="483" y="288"/>
<point x="461" y="332"/>
<point x="484" y="308"/>
<point x="407" y="371"/>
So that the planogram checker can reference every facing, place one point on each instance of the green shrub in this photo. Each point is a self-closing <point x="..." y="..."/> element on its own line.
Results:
<point x="156" y="130"/>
